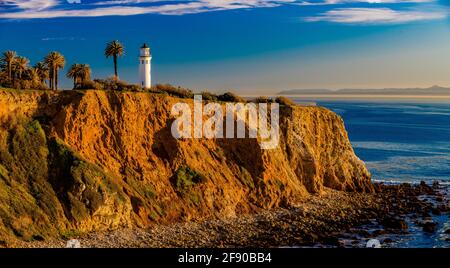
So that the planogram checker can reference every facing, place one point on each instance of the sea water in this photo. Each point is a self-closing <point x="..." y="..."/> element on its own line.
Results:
<point x="399" y="142"/>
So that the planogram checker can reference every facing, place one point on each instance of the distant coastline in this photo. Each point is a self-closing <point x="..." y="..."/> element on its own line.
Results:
<point x="434" y="92"/>
<point x="432" y="98"/>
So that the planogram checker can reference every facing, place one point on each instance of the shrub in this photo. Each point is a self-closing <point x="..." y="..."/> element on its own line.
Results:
<point x="40" y="86"/>
<point x="284" y="101"/>
<point x="120" y="85"/>
<point x="22" y="83"/>
<point x="172" y="91"/>
<point x="263" y="99"/>
<point x="86" y="185"/>
<point x="134" y="88"/>
<point x="230" y="97"/>
<point x="105" y="84"/>
<point x="246" y="178"/>
<point x="89" y="85"/>
<point x="113" y="84"/>
<point x="186" y="178"/>
<point x="6" y="83"/>
<point x="208" y="96"/>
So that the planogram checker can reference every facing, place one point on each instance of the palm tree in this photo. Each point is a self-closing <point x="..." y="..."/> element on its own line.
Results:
<point x="85" y="72"/>
<point x="21" y="65"/>
<point x="33" y="75"/>
<point x="54" y="61"/>
<point x="8" y="59"/>
<point x="79" y="73"/>
<point x="42" y="71"/>
<point x="114" y="49"/>
<point x="74" y="72"/>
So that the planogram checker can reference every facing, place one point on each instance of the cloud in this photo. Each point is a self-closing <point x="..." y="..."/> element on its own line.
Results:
<point x="63" y="38"/>
<point x="29" y="4"/>
<point x="376" y="15"/>
<point x="338" y="2"/>
<point x="125" y="2"/>
<point x="13" y="6"/>
<point x="40" y="9"/>
<point x="31" y="9"/>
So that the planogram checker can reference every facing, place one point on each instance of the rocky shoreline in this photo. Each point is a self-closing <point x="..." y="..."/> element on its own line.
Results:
<point x="333" y="219"/>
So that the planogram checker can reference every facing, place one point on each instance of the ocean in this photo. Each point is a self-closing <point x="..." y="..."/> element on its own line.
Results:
<point x="399" y="142"/>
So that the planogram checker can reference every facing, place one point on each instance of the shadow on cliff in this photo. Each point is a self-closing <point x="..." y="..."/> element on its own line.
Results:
<point x="165" y="146"/>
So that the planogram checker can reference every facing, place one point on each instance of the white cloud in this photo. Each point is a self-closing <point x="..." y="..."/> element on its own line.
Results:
<point x="63" y="38"/>
<point x="336" y="2"/>
<point x="29" y="4"/>
<point x="376" y="15"/>
<point x="30" y="9"/>
<point x="123" y="2"/>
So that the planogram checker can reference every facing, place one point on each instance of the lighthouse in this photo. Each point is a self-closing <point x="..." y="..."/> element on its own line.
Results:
<point x="145" y="69"/>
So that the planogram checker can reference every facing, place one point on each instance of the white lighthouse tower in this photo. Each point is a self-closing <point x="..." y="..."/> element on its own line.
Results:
<point x="145" y="69"/>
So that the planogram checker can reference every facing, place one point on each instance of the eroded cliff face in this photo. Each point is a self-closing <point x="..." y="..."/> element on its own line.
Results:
<point x="95" y="160"/>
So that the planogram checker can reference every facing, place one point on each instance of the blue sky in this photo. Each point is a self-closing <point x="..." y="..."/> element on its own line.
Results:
<point x="253" y="46"/>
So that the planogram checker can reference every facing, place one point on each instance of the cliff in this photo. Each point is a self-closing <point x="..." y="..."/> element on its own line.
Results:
<point x="82" y="161"/>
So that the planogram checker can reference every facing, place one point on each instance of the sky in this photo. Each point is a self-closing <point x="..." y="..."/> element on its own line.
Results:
<point x="249" y="47"/>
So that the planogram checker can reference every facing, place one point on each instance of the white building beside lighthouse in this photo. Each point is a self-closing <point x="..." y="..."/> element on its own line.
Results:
<point x="145" y="68"/>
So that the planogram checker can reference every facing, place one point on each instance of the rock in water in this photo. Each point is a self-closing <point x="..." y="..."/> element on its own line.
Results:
<point x="394" y="223"/>
<point x="429" y="226"/>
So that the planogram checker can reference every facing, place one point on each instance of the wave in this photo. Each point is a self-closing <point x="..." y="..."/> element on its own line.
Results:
<point x="438" y="148"/>
<point x="415" y="182"/>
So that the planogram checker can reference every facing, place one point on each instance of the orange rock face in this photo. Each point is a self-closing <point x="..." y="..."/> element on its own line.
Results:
<point x="115" y="162"/>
